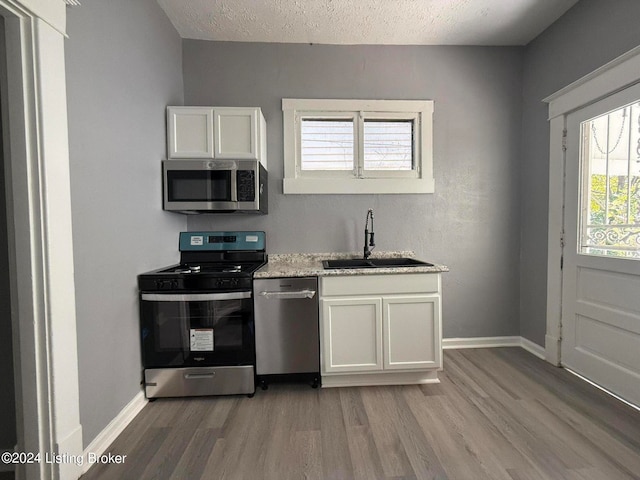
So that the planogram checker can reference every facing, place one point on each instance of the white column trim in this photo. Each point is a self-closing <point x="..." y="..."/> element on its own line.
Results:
<point x="616" y="75"/>
<point x="39" y="204"/>
<point x="554" y="240"/>
<point x="52" y="12"/>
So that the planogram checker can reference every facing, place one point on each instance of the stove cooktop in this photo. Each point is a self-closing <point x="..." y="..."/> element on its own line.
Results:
<point x="213" y="261"/>
<point x="204" y="269"/>
<point x="192" y="278"/>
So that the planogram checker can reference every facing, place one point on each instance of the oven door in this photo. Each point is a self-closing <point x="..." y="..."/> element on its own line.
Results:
<point x="197" y="329"/>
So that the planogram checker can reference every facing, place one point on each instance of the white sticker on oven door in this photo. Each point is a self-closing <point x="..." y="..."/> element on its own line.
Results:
<point x="202" y="339"/>
<point x="197" y="240"/>
<point x="251" y="238"/>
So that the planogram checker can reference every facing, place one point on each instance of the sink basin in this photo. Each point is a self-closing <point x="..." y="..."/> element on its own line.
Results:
<point x="348" y="263"/>
<point x="374" y="263"/>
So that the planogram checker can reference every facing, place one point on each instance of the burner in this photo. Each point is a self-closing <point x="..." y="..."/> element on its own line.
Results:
<point x="186" y="269"/>
<point x="232" y="269"/>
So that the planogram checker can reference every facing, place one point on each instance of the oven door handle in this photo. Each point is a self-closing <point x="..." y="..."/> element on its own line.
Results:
<point x="193" y="297"/>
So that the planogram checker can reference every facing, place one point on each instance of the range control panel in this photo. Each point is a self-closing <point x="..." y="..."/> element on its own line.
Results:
<point x="221" y="241"/>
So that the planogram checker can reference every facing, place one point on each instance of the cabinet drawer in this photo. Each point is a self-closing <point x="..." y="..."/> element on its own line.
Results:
<point x="380" y="284"/>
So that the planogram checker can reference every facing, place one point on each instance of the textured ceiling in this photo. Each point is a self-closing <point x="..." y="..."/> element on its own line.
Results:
<point x="391" y="22"/>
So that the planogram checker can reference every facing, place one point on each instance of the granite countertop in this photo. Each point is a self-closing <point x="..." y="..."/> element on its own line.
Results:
<point x="310" y="265"/>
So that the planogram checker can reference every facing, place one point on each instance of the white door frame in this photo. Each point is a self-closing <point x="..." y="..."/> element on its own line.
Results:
<point x="40" y="238"/>
<point x="606" y="80"/>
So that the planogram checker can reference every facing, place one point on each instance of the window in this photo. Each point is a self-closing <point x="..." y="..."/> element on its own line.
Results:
<point x="357" y="146"/>
<point x="610" y="155"/>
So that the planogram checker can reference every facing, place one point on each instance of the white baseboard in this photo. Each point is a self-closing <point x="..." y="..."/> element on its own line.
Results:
<point x="533" y="348"/>
<point x="105" y="438"/>
<point x="371" y="379"/>
<point x="481" y="342"/>
<point x="491" y="342"/>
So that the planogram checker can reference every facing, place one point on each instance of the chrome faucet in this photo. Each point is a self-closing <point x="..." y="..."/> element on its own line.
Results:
<point x="368" y="235"/>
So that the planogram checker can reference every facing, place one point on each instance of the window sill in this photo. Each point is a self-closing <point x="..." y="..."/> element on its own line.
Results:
<point x="303" y="186"/>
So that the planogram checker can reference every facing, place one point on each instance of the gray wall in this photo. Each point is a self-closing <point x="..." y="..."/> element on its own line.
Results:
<point x="589" y="35"/>
<point x="471" y="223"/>
<point x="123" y="67"/>
<point x="7" y="389"/>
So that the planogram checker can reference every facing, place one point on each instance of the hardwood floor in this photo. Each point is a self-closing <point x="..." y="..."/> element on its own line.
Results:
<point x="497" y="414"/>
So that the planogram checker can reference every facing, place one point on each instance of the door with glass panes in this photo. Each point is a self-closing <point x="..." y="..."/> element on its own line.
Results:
<point x="601" y="255"/>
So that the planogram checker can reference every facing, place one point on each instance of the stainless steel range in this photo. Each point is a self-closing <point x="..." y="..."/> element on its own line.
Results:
<point x="197" y="319"/>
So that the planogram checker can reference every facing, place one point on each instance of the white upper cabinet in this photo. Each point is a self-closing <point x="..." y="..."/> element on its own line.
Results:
<point x="236" y="133"/>
<point x="216" y="132"/>
<point x="190" y="132"/>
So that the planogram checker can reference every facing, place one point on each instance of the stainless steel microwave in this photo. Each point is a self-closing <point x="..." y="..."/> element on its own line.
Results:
<point x="214" y="186"/>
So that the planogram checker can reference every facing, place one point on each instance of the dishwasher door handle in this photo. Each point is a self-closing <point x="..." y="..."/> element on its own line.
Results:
<point x="195" y="376"/>
<point x="289" y="295"/>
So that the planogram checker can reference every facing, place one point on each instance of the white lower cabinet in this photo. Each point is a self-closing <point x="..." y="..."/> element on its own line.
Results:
<point x="380" y="329"/>
<point x="411" y="332"/>
<point x="352" y="330"/>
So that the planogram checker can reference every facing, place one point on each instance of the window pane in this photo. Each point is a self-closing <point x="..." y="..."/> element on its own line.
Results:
<point x="388" y="145"/>
<point x="327" y="144"/>
<point x="611" y="197"/>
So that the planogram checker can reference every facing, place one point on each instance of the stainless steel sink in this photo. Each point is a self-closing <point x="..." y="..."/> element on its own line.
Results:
<point x="374" y="263"/>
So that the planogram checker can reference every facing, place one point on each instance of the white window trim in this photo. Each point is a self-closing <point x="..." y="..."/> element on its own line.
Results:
<point x="418" y="181"/>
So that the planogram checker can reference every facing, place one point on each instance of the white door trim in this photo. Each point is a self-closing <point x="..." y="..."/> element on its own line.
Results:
<point x="616" y="75"/>
<point x="40" y="237"/>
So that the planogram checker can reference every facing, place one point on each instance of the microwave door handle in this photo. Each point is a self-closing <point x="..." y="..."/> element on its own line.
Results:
<point x="234" y="185"/>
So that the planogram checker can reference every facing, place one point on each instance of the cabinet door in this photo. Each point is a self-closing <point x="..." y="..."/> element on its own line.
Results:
<point x="190" y="132"/>
<point x="412" y="332"/>
<point x="236" y="133"/>
<point x="351" y="335"/>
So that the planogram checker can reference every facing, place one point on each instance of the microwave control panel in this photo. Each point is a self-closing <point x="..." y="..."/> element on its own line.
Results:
<point x="246" y="184"/>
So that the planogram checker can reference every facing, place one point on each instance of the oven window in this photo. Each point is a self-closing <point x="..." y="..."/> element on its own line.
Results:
<point x="194" y="332"/>
<point x="199" y="185"/>
<point x="200" y="326"/>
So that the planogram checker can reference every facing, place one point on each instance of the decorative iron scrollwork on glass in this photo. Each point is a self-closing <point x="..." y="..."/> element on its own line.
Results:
<point x="621" y="241"/>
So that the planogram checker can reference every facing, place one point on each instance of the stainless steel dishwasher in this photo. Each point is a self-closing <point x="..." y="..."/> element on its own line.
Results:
<point x="287" y="335"/>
